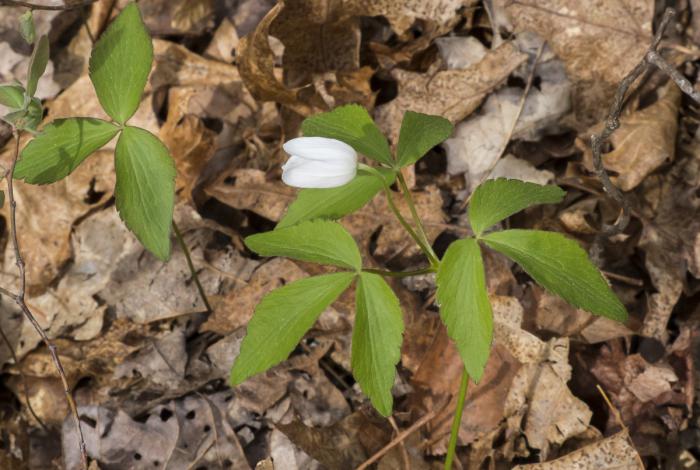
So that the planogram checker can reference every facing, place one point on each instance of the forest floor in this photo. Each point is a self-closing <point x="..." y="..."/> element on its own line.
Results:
<point x="149" y="363"/>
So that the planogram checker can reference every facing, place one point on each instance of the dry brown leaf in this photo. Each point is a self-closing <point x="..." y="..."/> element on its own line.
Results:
<point x="248" y="189"/>
<point x="645" y="140"/>
<point x="600" y="42"/>
<point x="453" y="94"/>
<point x="613" y="453"/>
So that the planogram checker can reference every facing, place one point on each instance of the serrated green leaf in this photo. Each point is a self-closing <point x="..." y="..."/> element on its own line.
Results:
<point x="320" y="241"/>
<point x="120" y="64"/>
<point x="419" y="133"/>
<point x="464" y="304"/>
<point x="334" y="203"/>
<point x="145" y="189"/>
<point x="37" y="64"/>
<point x="561" y="266"/>
<point x="495" y="200"/>
<point x="282" y="318"/>
<point x="353" y="125"/>
<point x="376" y="340"/>
<point x="12" y="96"/>
<point x="61" y="147"/>
<point x="26" y="27"/>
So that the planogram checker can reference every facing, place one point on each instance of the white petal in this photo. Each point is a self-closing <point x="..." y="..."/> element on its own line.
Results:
<point x="319" y="167"/>
<point x="303" y="175"/>
<point x="320" y="148"/>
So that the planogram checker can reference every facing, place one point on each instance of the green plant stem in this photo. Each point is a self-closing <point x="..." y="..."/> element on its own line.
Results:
<point x="382" y="272"/>
<point x="416" y="219"/>
<point x="190" y="264"/>
<point x="425" y="248"/>
<point x="452" y="447"/>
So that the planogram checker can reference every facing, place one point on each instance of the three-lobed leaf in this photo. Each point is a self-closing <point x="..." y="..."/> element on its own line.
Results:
<point x="319" y="241"/>
<point x="61" y="147"/>
<point x="334" y="203"/>
<point x="120" y="64"/>
<point x="495" y="200"/>
<point x="376" y="340"/>
<point x="353" y="125"/>
<point x="282" y="318"/>
<point x="561" y="266"/>
<point x="464" y="304"/>
<point x="145" y="189"/>
<point x="37" y="64"/>
<point x="419" y="133"/>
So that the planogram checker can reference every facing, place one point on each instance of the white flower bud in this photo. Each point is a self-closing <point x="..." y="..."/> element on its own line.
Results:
<point x="318" y="162"/>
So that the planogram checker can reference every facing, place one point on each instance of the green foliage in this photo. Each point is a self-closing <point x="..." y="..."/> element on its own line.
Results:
<point x="120" y="64"/>
<point x="27" y="118"/>
<point x="495" y="200"/>
<point x="334" y="203"/>
<point x="319" y="241"/>
<point x="376" y="340"/>
<point x="26" y="27"/>
<point x="353" y="125"/>
<point x="562" y="267"/>
<point x="12" y="96"/>
<point x="145" y="189"/>
<point x="282" y="318"/>
<point x="37" y="64"/>
<point x="61" y="147"/>
<point x="464" y="304"/>
<point x="419" y="133"/>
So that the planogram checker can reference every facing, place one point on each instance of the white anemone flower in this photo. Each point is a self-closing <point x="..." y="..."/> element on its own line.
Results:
<point x="318" y="162"/>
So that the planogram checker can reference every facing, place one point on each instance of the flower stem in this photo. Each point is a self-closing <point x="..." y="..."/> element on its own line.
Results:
<point x="382" y="272"/>
<point x="452" y="447"/>
<point x="190" y="264"/>
<point x="425" y="248"/>
<point x="416" y="219"/>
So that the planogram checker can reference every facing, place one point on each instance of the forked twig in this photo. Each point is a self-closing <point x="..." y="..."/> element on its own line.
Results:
<point x="19" y="299"/>
<point x="652" y="57"/>
<point x="38" y="6"/>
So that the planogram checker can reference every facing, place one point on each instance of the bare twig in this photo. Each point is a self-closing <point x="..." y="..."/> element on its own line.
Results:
<point x="404" y="452"/>
<point x="25" y="385"/>
<point x="652" y="57"/>
<point x="19" y="299"/>
<point x="399" y="438"/>
<point x="70" y="5"/>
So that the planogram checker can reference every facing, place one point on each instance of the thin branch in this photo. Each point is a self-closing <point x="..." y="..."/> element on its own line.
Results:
<point x="399" y="438"/>
<point x="190" y="264"/>
<point x="652" y="57"/>
<point x="39" y="6"/>
<point x="25" y="384"/>
<point x="19" y="299"/>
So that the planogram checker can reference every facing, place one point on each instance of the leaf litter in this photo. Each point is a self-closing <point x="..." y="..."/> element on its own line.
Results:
<point x="231" y="81"/>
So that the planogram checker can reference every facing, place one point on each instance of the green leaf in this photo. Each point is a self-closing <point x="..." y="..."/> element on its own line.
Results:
<point x="120" y="63"/>
<point x="12" y="96"/>
<point x="2" y="198"/>
<point x="26" y="27"/>
<point x="419" y="133"/>
<point x="61" y="147"/>
<point x="562" y="267"/>
<point x="320" y="241"/>
<point x="145" y="189"/>
<point x="281" y="319"/>
<point x="464" y="304"/>
<point x="498" y="199"/>
<point x="376" y="340"/>
<point x="26" y="119"/>
<point x="353" y="125"/>
<point x="334" y="203"/>
<point x="37" y="64"/>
